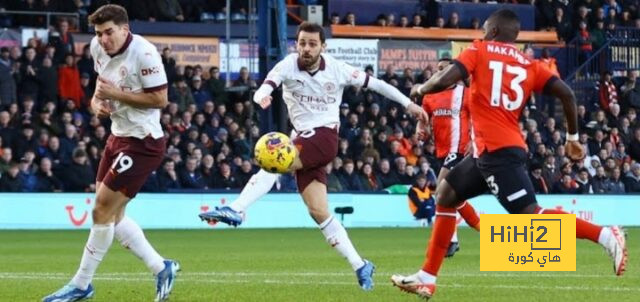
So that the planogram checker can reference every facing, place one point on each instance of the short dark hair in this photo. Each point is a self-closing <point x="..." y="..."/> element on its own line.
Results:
<point x="109" y="12"/>
<point x="311" y="28"/>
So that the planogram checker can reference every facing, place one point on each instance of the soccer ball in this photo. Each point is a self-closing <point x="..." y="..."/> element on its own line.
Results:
<point x="275" y="152"/>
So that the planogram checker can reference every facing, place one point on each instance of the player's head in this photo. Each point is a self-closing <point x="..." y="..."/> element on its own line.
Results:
<point x="111" y="24"/>
<point x="503" y="26"/>
<point x="310" y="41"/>
<point x="443" y="62"/>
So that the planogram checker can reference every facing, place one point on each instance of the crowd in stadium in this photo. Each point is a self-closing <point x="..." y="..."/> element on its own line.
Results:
<point x="49" y="140"/>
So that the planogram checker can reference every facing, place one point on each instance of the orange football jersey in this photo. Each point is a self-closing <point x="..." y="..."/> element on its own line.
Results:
<point x="449" y="115"/>
<point x="502" y="80"/>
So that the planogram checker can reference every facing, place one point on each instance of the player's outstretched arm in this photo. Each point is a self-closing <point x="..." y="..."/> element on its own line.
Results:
<point x="559" y="89"/>
<point x="155" y="99"/>
<point x="395" y="95"/>
<point x="263" y="95"/>
<point x="440" y="81"/>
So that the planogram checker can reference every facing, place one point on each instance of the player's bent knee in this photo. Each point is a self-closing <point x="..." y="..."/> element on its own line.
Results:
<point x="446" y="195"/>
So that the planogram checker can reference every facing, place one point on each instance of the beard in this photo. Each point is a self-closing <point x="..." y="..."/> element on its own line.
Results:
<point x="308" y="60"/>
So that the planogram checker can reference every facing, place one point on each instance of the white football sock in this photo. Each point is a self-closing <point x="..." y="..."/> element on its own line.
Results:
<point x="604" y="236"/>
<point x="100" y="238"/>
<point x="425" y="277"/>
<point x="130" y="236"/>
<point x="259" y="185"/>
<point x="337" y="237"/>
<point x="454" y="238"/>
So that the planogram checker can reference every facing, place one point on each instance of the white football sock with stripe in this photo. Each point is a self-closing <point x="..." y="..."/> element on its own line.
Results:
<point x="100" y="238"/>
<point x="337" y="237"/>
<point x="259" y="185"/>
<point x="131" y="237"/>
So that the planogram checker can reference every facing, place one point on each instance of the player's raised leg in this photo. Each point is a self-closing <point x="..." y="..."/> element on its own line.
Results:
<point x="259" y="185"/>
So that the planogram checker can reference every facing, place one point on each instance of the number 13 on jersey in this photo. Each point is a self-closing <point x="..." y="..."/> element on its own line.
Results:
<point x="498" y="97"/>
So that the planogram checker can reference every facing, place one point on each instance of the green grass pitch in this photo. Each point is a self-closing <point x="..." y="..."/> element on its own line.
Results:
<point x="297" y="265"/>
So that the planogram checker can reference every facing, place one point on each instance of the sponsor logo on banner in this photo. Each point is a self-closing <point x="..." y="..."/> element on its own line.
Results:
<point x="78" y="220"/>
<point x="535" y="242"/>
<point x="189" y="50"/>
<point x="416" y="55"/>
<point x="355" y="52"/>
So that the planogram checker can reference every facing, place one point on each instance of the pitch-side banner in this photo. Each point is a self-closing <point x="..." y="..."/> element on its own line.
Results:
<point x="180" y="211"/>
<point x="356" y="52"/>
<point x="190" y="50"/>
<point x="416" y="55"/>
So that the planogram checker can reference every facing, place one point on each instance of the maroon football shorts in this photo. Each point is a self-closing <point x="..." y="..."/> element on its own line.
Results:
<point x="128" y="161"/>
<point x="317" y="148"/>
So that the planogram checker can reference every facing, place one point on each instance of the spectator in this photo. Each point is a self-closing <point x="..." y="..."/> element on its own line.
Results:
<point x="632" y="179"/>
<point x="381" y="20"/>
<point x="168" y="10"/>
<point x="48" y="77"/>
<point x="475" y="23"/>
<point x="630" y="91"/>
<point x="597" y="35"/>
<point x="46" y="181"/>
<point x="387" y="176"/>
<point x="69" y="82"/>
<point x="565" y="185"/>
<point x="26" y="142"/>
<point x="634" y="146"/>
<point x="245" y="173"/>
<point x="62" y="40"/>
<point x="225" y="179"/>
<point x="349" y="178"/>
<point x="168" y="178"/>
<point x="454" y="21"/>
<point x="539" y="183"/>
<point x="78" y="176"/>
<point x="85" y="64"/>
<point x="244" y="80"/>
<point x="5" y="160"/>
<point x="599" y="181"/>
<point x="614" y="184"/>
<point x="368" y="179"/>
<point x="440" y="22"/>
<point x="417" y="21"/>
<point x="421" y="202"/>
<point x="29" y="68"/>
<point x="404" y="21"/>
<point x="217" y="86"/>
<point x="608" y="92"/>
<point x="7" y="82"/>
<point x="391" y="20"/>
<point x="583" y="182"/>
<point x="11" y="181"/>
<point x="350" y="19"/>
<point x="201" y="95"/>
<point x="561" y="24"/>
<point x="335" y="19"/>
<point x="190" y="177"/>
<point x="334" y="184"/>
<point x="169" y="64"/>
<point x="584" y="40"/>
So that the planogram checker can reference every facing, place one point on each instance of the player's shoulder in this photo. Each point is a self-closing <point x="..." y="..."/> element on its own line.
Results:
<point x="286" y="64"/>
<point x="142" y="46"/>
<point x="94" y="47"/>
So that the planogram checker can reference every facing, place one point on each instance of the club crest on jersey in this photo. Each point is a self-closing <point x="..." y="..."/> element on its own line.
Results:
<point x="123" y="72"/>
<point x="329" y="87"/>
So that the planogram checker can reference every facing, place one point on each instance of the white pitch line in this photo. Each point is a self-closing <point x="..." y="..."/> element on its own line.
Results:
<point x="325" y="274"/>
<point x="184" y="279"/>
